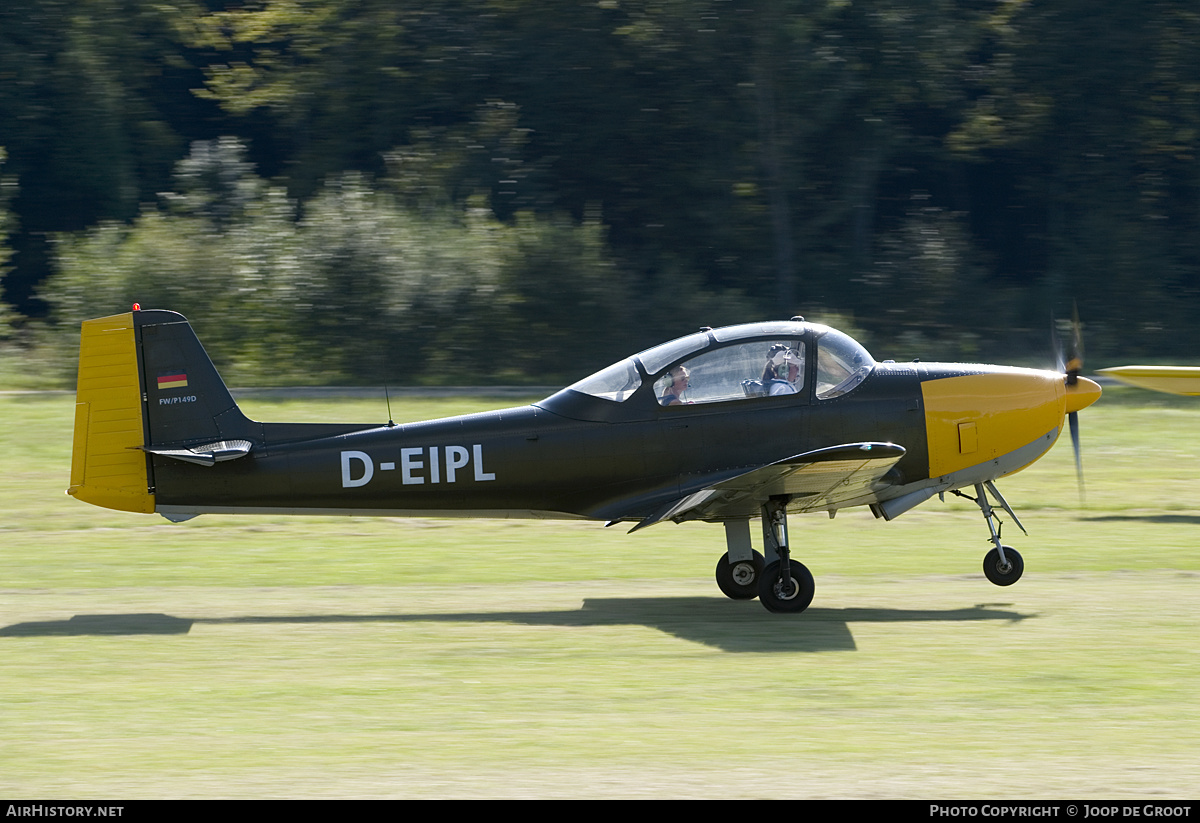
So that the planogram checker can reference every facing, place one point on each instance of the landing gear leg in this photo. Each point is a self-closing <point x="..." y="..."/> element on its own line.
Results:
<point x="785" y="585"/>
<point x="1003" y="564"/>
<point x="739" y="568"/>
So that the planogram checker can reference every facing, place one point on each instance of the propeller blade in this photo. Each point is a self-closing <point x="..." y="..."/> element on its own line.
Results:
<point x="1069" y="356"/>
<point x="1070" y="363"/>
<point x="1073" y="422"/>
<point x="1075" y="349"/>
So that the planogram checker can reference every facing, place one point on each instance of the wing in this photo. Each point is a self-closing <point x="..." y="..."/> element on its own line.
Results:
<point x="829" y="478"/>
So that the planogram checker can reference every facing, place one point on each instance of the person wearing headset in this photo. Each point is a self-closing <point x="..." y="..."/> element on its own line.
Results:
<point x="783" y="369"/>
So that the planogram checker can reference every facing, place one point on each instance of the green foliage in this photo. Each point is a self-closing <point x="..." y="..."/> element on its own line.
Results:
<point x="84" y="104"/>
<point x="8" y="190"/>
<point x="355" y="286"/>
<point x="943" y="172"/>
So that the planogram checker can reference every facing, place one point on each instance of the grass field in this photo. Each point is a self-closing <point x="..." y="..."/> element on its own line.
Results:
<point x="356" y="657"/>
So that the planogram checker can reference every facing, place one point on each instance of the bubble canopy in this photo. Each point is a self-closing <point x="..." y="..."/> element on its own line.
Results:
<point x="727" y="364"/>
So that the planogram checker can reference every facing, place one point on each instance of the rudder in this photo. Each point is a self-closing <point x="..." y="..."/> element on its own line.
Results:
<point x="108" y="466"/>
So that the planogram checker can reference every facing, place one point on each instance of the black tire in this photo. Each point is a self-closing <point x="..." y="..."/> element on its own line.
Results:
<point x="999" y="573"/>
<point x="772" y="596"/>
<point x="739" y="581"/>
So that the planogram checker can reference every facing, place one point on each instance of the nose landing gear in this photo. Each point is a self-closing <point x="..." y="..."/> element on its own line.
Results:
<point x="1003" y="564"/>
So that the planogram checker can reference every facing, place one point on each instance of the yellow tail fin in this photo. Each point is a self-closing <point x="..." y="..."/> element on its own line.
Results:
<point x="108" y="463"/>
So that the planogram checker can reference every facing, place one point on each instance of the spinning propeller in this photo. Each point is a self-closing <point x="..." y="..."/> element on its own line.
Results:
<point x="1070" y="363"/>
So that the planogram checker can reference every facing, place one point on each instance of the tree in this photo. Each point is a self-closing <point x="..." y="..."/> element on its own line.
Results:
<point x="1088" y="117"/>
<point x="95" y="110"/>
<point x="8" y="189"/>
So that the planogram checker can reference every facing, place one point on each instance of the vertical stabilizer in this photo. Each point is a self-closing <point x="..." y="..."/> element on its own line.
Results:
<point x="146" y="387"/>
<point x="186" y="400"/>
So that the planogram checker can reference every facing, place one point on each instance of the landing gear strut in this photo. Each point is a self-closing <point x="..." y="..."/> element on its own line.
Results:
<point x="785" y="585"/>
<point x="1003" y="564"/>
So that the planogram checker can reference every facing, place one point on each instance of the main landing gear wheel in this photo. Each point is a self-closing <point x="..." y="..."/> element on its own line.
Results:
<point x="739" y="581"/>
<point x="791" y="598"/>
<point x="1003" y="573"/>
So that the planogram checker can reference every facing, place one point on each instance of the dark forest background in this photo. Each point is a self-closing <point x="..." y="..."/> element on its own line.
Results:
<point x="472" y="191"/>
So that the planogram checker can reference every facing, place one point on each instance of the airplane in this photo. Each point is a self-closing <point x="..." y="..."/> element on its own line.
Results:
<point x="725" y="425"/>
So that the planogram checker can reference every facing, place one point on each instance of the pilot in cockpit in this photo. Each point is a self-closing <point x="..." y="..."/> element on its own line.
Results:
<point x="783" y="369"/>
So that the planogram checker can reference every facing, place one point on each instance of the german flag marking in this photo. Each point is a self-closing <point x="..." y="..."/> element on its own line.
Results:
<point x="173" y="380"/>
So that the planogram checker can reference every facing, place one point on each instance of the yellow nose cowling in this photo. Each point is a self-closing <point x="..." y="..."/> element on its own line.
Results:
<point x="975" y="418"/>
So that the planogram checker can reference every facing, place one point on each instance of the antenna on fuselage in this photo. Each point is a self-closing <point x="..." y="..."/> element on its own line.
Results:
<point x="388" y="398"/>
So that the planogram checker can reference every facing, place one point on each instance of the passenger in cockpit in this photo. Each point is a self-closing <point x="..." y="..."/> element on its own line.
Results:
<point x="782" y="371"/>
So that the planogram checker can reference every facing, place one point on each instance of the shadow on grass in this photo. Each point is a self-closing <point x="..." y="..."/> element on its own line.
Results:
<point x="731" y="626"/>
<point x="101" y="624"/>
<point x="1184" y="519"/>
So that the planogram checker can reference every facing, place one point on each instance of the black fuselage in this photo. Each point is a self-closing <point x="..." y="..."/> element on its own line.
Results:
<point x="571" y="455"/>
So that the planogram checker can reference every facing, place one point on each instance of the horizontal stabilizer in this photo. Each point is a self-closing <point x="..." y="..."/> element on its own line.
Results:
<point x="209" y="454"/>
